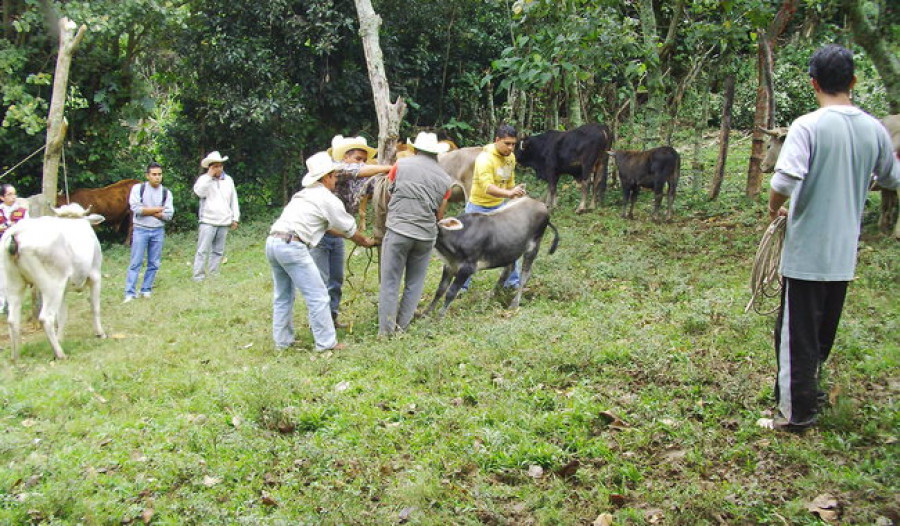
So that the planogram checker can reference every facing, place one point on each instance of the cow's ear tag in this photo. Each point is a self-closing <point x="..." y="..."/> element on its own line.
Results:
<point x="450" y="223"/>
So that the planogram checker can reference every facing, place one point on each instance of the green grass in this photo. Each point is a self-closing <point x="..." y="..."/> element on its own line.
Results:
<point x="630" y="354"/>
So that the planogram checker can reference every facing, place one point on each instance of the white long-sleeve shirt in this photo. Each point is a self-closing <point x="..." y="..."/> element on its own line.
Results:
<point x="218" y="200"/>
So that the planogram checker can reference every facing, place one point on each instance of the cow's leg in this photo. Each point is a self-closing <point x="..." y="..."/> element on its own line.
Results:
<point x="585" y="187"/>
<point x="671" y="200"/>
<point x="446" y="278"/>
<point x="16" y="292"/>
<point x="657" y="201"/>
<point x="626" y="196"/>
<point x="95" y="307"/>
<point x="461" y="276"/>
<point x="52" y="300"/>
<point x="504" y="275"/>
<point x="527" y="262"/>
<point x="551" y="189"/>
<point x="634" y="196"/>
<point x="62" y="316"/>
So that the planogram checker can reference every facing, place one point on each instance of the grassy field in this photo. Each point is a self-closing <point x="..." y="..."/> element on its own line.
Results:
<point x="628" y="383"/>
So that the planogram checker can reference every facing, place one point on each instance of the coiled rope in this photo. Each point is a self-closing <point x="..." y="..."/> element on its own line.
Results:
<point x="765" y="281"/>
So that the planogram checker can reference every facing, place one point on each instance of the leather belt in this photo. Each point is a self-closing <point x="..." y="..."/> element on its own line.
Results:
<point x="287" y="238"/>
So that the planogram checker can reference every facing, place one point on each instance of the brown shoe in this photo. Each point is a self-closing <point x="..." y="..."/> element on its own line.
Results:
<point x="339" y="347"/>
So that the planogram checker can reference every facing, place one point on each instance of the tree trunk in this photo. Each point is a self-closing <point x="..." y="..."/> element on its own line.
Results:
<point x="764" y="102"/>
<point x="699" y="127"/>
<point x="573" y="95"/>
<point x="56" y="124"/>
<point x="724" y="134"/>
<point x="886" y="62"/>
<point x="389" y="115"/>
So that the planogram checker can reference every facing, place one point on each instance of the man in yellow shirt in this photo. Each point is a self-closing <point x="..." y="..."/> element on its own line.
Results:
<point x="494" y="182"/>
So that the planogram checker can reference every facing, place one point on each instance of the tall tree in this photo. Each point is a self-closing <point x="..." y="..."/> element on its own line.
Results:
<point x="389" y="114"/>
<point x="56" y="125"/>
<point x="764" y="100"/>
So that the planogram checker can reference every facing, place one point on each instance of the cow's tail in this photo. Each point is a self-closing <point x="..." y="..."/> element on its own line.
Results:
<point x="555" y="238"/>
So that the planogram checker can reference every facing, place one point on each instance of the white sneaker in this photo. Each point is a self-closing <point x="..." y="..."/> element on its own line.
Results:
<point x="128" y="299"/>
<point x="146" y="294"/>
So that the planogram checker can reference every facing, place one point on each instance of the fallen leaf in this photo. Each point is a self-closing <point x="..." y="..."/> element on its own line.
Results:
<point x="617" y="499"/>
<point x="268" y="500"/>
<point x="535" y="472"/>
<point x="826" y="507"/>
<point x="147" y="515"/>
<point x="569" y="469"/>
<point x="674" y="454"/>
<point x="604" y="519"/>
<point x="29" y="422"/>
<point x="236" y="421"/>
<point x="210" y="481"/>
<point x="654" y="515"/>
<point x="270" y="479"/>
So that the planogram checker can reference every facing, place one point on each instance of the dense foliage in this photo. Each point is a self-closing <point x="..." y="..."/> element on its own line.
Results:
<point x="269" y="82"/>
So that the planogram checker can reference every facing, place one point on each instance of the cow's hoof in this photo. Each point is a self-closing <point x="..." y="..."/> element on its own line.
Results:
<point x="102" y="335"/>
<point x="580" y="210"/>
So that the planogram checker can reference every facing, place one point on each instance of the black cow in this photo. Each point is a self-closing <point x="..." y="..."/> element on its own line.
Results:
<point x="578" y="152"/>
<point x="490" y="240"/>
<point x="653" y="169"/>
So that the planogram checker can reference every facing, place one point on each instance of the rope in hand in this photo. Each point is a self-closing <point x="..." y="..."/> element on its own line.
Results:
<point x="765" y="281"/>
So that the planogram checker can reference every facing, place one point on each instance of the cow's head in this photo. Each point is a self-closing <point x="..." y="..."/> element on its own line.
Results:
<point x="450" y="223"/>
<point x="776" y="141"/>
<point x="75" y="211"/>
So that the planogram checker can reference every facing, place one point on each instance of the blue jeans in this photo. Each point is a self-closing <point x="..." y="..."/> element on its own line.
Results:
<point x="513" y="280"/>
<point x="144" y="242"/>
<point x="293" y="269"/>
<point x="329" y="257"/>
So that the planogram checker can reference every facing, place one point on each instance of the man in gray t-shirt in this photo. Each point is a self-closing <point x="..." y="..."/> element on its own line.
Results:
<point x="824" y="168"/>
<point x="419" y="191"/>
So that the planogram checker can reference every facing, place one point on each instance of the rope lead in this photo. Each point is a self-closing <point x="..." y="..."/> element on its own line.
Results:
<point x="765" y="281"/>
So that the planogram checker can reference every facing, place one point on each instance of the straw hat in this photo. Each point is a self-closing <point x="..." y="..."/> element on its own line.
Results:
<point x="340" y="145"/>
<point x="428" y="142"/>
<point x="318" y="166"/>
<point x="214" y="157"/>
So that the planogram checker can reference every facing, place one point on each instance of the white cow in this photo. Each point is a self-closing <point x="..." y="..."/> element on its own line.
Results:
<point x="51" y="253"/>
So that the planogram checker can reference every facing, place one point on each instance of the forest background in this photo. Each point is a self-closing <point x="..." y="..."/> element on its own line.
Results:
<point x="269" y="82"/>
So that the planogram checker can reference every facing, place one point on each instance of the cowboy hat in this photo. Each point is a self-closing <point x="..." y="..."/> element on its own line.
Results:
<point x="214" y="157"/>
<point x="318" y="166"/>
<point x="428" y="142"/>
<point x="340" y="145"/>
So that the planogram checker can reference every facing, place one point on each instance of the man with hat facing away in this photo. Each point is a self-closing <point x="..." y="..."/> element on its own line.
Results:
<point x="301" y="225"/>
<point x="352" y="155"/>
<point x="419" y="191"/>
<point x="219" y="212"/>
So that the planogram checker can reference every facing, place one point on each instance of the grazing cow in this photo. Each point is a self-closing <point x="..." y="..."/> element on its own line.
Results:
<point x="888" y="219"/>
<point x="653" y="169"/>
<point x="578" y="152"/>
<point x="51" y="253"/>
<point x="110" y="201"/>
<point x="495" y="239"/>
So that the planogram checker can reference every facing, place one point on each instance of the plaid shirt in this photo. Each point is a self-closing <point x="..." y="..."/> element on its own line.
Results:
<point x="349" y="188"/>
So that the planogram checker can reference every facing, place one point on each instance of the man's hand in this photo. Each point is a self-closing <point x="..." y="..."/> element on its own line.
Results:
<point x="518" y="191"/>
<point x="234" y="225"/>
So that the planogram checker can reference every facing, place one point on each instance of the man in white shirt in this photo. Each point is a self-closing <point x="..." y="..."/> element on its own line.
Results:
<point x="219" y="212"/>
